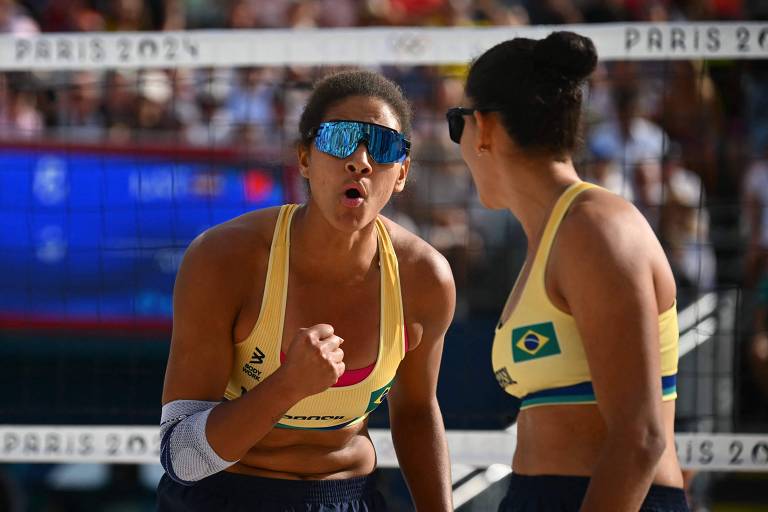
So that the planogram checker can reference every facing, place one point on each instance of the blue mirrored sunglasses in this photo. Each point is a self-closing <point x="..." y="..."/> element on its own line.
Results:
<point x="341" y="138"/>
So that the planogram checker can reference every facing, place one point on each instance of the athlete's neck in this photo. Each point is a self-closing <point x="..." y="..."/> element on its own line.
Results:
<point x="534" y="189"/>
<point x="323" y="253"/>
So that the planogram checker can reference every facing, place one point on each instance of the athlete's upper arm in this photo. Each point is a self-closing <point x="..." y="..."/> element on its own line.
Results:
<point x="605" y="273"/>
<point x="429" y="299"/>
<point x="205" y="306"/>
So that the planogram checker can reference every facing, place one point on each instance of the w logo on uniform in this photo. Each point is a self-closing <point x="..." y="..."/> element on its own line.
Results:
<point x="534" y="341"/>
<point x="257" y="357"/>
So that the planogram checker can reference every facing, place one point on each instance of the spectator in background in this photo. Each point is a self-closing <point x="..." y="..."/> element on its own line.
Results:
<point x="632" y="138"/>
<point x="14" y="20"/>
<point x="118" y="107"/>
<point x="174" y="15"/>
<point x="253" y="100"/>
<point x="128" y="16"/>
<point x="404" y="12"/>
<point x="757" y="348"/>
<point x="755" y="94"/>
<point x="242" y="15"/>
<point x="605" y="11"/>
<point x="684" y="230"/>
<point x="206" y="119"/>
<point x="671" y="198"/>
<point x="755" y="214"/>
<point x="689" y="112"/>
<point x="553" y="12"/>
<point x="184" y="91"/>
<point x="604" y="169"/>
<point x="755" y="181"/>
<point x="71" y="16"/>
<point x="302" y="14"/>
<point x="711" y="10"/>
<point x="155" y="117"/>
<point x="293" y="95"/>
<point x="19" y="116"/>
<point x="647" y="190"/>
<point x="79" y="109"/>
<point x="599" y="97"/>
<point x="510" y="13"/>
<point x="339" y="13"/>
<point x="213" y="126"/>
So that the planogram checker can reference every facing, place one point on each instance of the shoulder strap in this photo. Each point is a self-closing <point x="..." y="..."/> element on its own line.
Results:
<point x="553" y="223"/>
<point x="392" y="316"/>
<point x="273" y="301"/>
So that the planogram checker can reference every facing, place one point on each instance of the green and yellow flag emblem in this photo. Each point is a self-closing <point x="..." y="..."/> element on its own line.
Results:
<point x="534" y="342"/>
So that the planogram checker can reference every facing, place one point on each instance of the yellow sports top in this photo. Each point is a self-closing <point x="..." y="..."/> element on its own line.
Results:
<point x="258" y="355"/>
<point x="538" y="354"/>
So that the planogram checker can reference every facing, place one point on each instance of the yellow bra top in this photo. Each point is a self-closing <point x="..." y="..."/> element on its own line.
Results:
<point x="258" y="356"/>
<point x="538" y="354"/>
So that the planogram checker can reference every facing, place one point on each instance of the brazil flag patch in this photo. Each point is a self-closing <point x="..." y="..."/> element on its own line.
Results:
<point x="378" y="396"/>
<point x="534" y="342"/>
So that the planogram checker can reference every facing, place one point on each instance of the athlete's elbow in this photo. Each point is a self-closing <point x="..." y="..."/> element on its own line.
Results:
<point x="167" y="462"/>
<point x="643" y="442"/>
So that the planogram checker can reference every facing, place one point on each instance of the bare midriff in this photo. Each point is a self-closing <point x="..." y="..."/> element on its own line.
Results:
<point x="315" y="455"/>
<point x="567" y="440"/>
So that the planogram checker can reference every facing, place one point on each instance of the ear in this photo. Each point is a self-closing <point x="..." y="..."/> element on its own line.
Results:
<point x="484" y="122"/>
<point x="303" y="157"/>
<point x="403" y="175"/>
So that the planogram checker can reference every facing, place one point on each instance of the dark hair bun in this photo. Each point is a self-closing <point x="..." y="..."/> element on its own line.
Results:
<point x="570" y="55"/>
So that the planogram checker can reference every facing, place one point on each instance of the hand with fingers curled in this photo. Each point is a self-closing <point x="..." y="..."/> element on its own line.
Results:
<point x="314" y="361"/>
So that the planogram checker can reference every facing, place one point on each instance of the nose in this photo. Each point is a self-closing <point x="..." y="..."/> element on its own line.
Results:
<point x="360" y="161"/>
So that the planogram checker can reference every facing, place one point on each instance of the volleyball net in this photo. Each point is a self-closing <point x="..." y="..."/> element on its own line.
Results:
<point x="118" y="149"/>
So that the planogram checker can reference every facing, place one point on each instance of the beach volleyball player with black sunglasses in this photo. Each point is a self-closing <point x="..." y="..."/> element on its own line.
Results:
<point x="588" y="339"/>
<point x="292" y="324"/>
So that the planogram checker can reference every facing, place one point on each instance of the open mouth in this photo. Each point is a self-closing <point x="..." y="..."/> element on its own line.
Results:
<point x="353" y="193"/>
<point x="354" y="196"/>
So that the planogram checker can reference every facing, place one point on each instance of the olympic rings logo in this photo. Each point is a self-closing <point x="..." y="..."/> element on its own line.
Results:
<point x="409" y="43"/>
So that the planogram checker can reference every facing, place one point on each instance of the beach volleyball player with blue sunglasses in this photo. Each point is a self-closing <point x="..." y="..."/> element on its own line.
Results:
<point x="292" y="324"/>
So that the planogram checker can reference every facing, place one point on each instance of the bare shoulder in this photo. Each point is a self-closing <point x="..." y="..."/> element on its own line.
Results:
<point x="429" y="291"/>
<point x="605" y="225"/>
<point x="419" y="262"/>
<point x="612" y="245"/>
<point x="228" y="249"/>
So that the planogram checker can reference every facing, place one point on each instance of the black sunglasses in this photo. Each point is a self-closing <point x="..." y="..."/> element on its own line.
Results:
<point x="455" y="118"/>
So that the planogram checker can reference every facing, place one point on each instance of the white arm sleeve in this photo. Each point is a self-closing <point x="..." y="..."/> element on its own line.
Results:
<point x="184" y="450"/>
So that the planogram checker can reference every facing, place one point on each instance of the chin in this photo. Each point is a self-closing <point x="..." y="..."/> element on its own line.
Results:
<point x="352" y="219"/>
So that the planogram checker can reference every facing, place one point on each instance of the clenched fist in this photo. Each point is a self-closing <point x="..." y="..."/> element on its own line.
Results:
<point x="314" y="361"/>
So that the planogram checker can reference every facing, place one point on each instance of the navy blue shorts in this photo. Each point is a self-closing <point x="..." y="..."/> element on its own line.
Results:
<point x="547" y="493"/>
<point x="233" y="492"/>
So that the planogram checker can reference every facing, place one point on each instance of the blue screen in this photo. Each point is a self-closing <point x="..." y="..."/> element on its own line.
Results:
<point x="98" y="237"/>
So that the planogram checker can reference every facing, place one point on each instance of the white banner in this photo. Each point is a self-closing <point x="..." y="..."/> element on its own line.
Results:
<point x="141" y="445"/>
<point x="367" y="46"/>
<point x="68" y="444"/>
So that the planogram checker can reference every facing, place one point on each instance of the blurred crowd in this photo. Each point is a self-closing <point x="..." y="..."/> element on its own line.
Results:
<point x="686" y="141"/>
<point x="138" y="15"/>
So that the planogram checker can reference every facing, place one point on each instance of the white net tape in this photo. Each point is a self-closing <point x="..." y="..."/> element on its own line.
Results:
<point x="367" y="46"/>
<point x="141" y="445"/>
